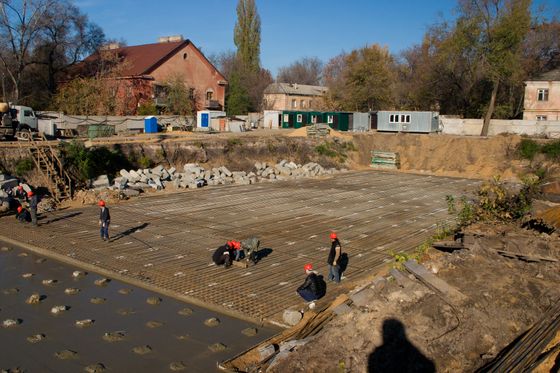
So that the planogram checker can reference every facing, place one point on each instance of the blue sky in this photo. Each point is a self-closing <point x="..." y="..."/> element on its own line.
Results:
<point x="290" y="29"/>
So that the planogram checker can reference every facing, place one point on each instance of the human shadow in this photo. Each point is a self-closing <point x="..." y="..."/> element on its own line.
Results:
<point x="68" y="216"/>
<point x="343" y="263"/>
<point x="397" y="354"/>
<point x="128" y="232"/>
<point x="262" y="253"/>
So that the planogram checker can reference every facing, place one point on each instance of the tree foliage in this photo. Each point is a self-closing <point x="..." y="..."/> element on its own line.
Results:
<point x="247" y="34"/>
<point x="181" y="99"/>
<point x="361" y="80"/>
<point x="308" y="71"/>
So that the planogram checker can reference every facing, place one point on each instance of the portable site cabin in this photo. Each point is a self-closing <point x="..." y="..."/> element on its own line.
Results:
<point x="315" y="117"/>
<point x="272" y="119"/>
<point x="339" y="121"/>
<point x="204" y="119"/>
<point x="295" y="119"/>
<point x="360" y="122"/>
<point x="405" y="121"/>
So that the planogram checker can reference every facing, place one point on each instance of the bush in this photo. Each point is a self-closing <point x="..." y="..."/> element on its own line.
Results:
<point x="527" y="149"/>
<point x="495" y="202"/>
<point x="24" y="166"/>
<point x="147" y="109"/>
<point x="84" y="164"/>
<point x="326" y="150"/>
<point x="552" y="150"/>
<point x="145" y="162"/>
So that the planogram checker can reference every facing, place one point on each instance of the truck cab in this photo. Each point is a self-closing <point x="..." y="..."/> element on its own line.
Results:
<point x="26" y="117"/>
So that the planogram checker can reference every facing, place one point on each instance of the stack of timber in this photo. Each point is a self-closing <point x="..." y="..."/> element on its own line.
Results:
<point x="318" y="130"/>
<point x="386" y="160"/>
<point x="528" y="351"/>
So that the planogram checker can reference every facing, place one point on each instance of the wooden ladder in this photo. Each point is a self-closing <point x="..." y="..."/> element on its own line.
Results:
<point x="50" y="167"/>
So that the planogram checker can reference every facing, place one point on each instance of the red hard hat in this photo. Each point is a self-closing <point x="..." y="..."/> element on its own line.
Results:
<point x="20" y="187"/>
<point x="308" y="267"/>
<point x="19" y="209"/>
<point x="101" y="203"/>
<point x="333" y="236"/>
<point x="237" y="245"/>
<point x="30" y="194"/>
<point x="230" y="244"/>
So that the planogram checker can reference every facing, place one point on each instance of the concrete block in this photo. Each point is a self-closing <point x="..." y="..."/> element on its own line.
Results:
<point x="158" y="170"/>
<point x="282" y="163"/>
<point x="258" y="166"/>
<point x="130" y="192"/>
<point x="379" y="283"/>
<point x="101" y="182"/>
<point x="363" y="298"/>
<point x="292" y="317"/>
<point x="172" y="171"/>
<point x="225" y="171"/>
<point x="124" y="173"/>
<point x="342" y="309"/>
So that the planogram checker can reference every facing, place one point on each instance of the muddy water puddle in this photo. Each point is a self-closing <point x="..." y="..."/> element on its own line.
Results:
<point x="55" y="319"/>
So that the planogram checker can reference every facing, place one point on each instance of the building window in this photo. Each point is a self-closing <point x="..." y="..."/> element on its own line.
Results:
<point x="286" y="118"/>
<point x="541" y="118"/>
<point x="407" y="119"/>
<point x="209" y="95"/>
<point x="394" y="118"/>
<point x="330" y="119"/>
<point x="299" y="118"/>
<point x="294" y="104"/>
<point x="542" y="94"/>
<point x="302" y="102"/>
<point x="185" y="56"/>
<point x="310" y="103"/>
<point x="313" y="119"/>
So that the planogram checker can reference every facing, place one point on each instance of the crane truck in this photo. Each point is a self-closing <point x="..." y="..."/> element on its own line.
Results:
<point x="17" y="121"/>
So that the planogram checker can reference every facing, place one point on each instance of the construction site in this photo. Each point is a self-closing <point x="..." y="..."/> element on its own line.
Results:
<point x="424" y="287"/>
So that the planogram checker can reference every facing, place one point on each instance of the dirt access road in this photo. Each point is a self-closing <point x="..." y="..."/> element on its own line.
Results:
<point x="165" y="241"/>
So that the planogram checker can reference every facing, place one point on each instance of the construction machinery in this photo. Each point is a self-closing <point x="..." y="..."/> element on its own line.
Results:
<point x="17" y="121"/>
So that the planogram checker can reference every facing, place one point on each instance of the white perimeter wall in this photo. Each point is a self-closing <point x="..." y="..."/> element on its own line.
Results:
<point x="472" y="127"/>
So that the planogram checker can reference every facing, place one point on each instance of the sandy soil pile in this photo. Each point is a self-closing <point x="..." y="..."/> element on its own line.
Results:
<point x="461" y="156"/>
<point x="407" y="327"/>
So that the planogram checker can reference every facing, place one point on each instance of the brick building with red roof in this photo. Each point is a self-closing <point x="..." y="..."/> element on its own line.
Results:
<point x="145" y="69"/>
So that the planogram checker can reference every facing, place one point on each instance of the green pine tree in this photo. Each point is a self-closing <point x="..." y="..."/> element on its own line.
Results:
<point x="247" y="34"/>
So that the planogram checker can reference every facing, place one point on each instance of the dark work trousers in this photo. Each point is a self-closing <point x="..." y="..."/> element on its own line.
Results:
<point x="33" y="212"/>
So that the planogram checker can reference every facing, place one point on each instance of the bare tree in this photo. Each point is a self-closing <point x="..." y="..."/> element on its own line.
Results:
<point x="308" y="71"/>
<point x="20" y="24"/>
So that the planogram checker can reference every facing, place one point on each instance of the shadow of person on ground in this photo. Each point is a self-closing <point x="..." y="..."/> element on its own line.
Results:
<point x="262" y="253"/>
<point x="343" y="263"/>
<point x="128" y="232"/>
<point x="397" y="354"/>
<point x="68" y="216"/>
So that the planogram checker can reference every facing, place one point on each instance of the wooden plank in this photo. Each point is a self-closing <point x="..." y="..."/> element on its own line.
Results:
<point x="435" y="283"/>
<point x="526" y="257"/>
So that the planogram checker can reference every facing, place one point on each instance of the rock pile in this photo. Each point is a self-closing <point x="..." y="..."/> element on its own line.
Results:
<point x="192" y="176"/>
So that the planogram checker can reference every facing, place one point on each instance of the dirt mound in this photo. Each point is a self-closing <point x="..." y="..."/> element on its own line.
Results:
<point x="302" y="132"/>
<point x="460" y="156"/>
<point x="90" y="197"/>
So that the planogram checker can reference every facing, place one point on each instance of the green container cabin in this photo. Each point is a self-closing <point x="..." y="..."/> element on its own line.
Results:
<point x="339" y="121"/>
<point x="288" y="119"/>
<point x="315" y="117"/>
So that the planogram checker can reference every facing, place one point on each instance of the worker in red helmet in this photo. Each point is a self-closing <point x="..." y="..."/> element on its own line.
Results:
<point x="314" y="286"/>
<point x="32" y="197"/>
<point x="23" y="215"/>
<point x="20" y="194"/>
<point x="104" y="220"/>
<point x="224" y="254"/>
<point x="333" y="259"/>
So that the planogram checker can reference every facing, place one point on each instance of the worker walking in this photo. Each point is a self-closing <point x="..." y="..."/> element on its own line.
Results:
<point x="104" y="220"/>
<point x="223" y="254"/>
<point x="314" y="286"/>
<point x="333" y="259"/>
<point x="33" y="207"/>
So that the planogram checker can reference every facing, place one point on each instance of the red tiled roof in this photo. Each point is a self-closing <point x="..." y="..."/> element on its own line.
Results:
<point x="142" y="59"/>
